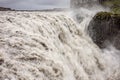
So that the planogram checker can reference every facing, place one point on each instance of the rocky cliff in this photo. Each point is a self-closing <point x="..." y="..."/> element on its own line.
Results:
<point x="105" y="28"/>
<point x="5" y="9"/>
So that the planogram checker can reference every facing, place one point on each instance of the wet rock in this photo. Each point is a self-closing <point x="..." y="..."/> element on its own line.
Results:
<point x="104" y="28"/>
<point x="117" y="41"/>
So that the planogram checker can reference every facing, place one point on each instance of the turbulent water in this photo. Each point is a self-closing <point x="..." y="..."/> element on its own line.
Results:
<point x="52" y="46"/>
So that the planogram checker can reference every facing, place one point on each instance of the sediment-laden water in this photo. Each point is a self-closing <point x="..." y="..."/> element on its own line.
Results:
<point x="52" y="46"/>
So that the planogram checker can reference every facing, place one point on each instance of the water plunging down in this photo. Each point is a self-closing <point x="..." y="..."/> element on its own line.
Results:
<point x="51" y="46"/>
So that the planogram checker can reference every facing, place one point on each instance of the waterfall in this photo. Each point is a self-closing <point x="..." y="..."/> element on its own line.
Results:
<point x="52" y="46"/>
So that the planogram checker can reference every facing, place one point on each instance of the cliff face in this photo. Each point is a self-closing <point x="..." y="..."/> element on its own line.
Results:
<point x="105" y="28"/>
<point x="5" y="9"/>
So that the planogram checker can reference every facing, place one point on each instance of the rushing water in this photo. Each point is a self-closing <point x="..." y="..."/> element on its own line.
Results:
<point x="52" y="46"/>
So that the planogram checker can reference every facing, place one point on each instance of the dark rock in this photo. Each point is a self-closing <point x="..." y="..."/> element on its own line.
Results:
<point x="117" y="41"/>
<point x="104" y="28"/>
<point x="5" y="9"/>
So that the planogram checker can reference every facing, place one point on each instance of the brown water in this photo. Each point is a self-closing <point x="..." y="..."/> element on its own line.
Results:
<point x="51" y="46"/>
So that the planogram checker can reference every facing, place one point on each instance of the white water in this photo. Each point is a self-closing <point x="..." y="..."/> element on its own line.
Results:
<point x="51" y="46"/>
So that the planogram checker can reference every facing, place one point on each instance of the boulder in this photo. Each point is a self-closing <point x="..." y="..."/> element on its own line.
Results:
<point x="104" y="29"/>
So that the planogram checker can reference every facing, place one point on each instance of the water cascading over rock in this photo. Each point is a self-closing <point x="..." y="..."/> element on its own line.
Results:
<point x="50" y="46"/>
